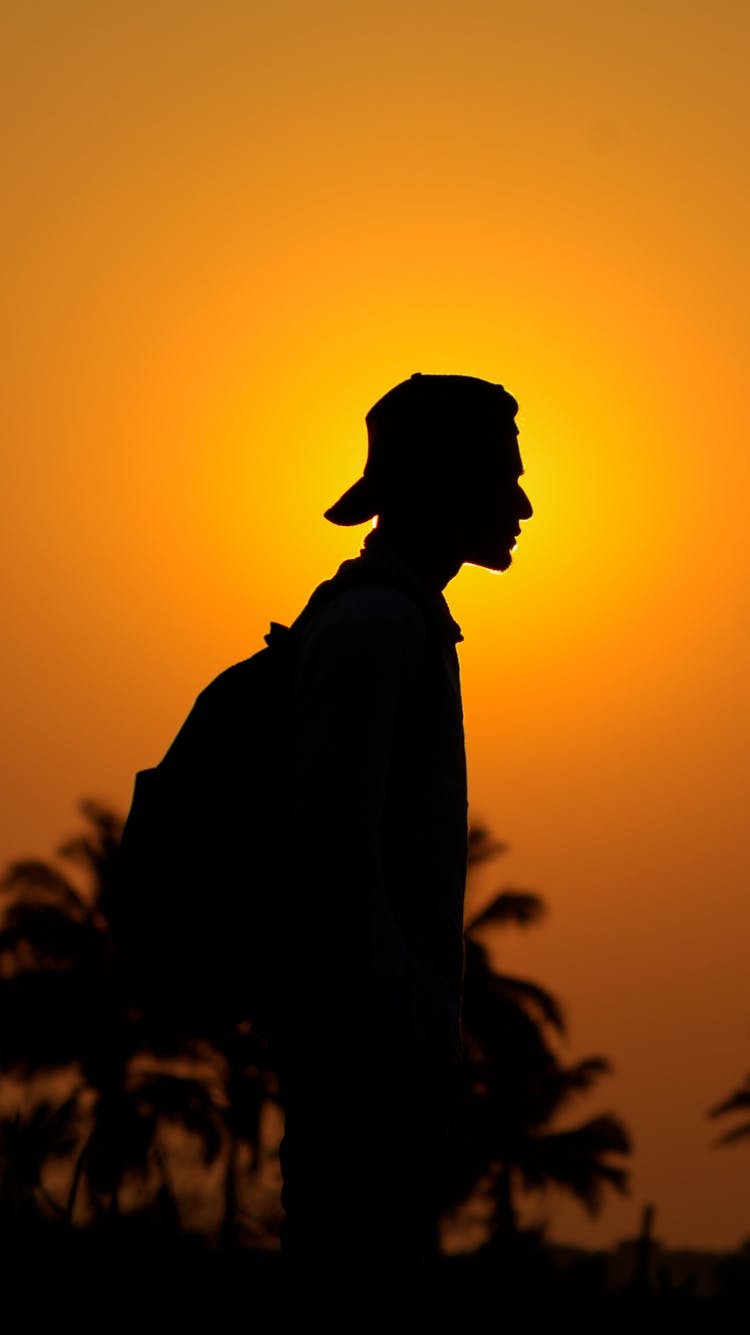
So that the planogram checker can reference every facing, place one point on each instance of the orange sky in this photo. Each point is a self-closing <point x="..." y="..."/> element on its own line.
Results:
<point x="228" y="230"/>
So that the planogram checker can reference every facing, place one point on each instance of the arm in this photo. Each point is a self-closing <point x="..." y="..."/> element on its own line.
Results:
<point x="356" y="679"/>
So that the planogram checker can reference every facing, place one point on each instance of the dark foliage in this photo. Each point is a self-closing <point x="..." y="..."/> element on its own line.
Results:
<point x="62" y="1010"/>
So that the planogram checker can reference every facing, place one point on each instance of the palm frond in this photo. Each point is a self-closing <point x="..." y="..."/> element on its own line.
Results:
<point x="580" y="1077"/>
<point x="532" y="997"/>
<point x="575" y="1160"/>
<point x="50" y="936"/>
<point x="482" y="846"/>
<point x="32" y="879"/>
<point x="739" y="1133"/>
<point x="739" y="1101"/>
<point x="96" y="851"/>
<point x="519" y="907"/>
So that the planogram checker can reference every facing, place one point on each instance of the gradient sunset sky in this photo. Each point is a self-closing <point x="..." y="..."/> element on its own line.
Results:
<point x="228" y="229"/>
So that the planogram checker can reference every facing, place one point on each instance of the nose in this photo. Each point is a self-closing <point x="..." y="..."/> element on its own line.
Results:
<point x="524" y="509"/>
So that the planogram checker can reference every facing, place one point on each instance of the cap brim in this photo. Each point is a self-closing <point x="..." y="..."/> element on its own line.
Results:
<point x="356" y="506"/>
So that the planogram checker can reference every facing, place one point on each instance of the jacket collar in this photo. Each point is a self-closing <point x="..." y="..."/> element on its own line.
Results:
<point x="379" y="552"/>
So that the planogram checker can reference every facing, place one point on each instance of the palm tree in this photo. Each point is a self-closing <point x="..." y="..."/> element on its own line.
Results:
<point x="125" y="1139"/>
<point x="60" y="1007"/>
<point x="513" y="1083"/>
<point x="27" y="1142"/>
<point x="56" y="1001"/>
<point x="56" y="979"/>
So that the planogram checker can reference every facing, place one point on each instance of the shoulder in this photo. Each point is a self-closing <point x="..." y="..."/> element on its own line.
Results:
<point x="370" y="604"/>
<point x="371" y="621"/>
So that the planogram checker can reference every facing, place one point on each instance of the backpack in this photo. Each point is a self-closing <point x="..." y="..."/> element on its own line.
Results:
<point x="196" y="912"/>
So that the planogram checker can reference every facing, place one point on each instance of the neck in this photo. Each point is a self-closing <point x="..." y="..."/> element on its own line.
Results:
<point x="426" y="553"/>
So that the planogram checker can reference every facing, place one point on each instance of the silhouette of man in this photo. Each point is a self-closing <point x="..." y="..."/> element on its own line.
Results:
<point x="376" y="839"/>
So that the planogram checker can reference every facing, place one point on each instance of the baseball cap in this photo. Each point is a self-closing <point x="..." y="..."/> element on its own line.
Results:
<point x="420" y="425"/>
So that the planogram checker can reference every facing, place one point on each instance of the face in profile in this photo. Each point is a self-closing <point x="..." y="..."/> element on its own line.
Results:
<point x="493" y="503"/>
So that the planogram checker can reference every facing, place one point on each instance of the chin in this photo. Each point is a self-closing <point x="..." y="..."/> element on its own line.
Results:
<point x="497" y="561"/>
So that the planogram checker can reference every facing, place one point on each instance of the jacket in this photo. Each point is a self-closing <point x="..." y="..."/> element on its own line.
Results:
<point x="376" y="812"/>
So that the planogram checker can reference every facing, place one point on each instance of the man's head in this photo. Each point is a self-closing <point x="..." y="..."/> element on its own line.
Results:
<point x="443" y="457"/>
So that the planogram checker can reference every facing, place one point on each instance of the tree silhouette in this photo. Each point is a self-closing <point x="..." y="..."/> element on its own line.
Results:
<point x="27" y="1142"/>
<point x="125" y="1142"/>
<point x="62" y="1006"/>
<point x="513" y="1083"/>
